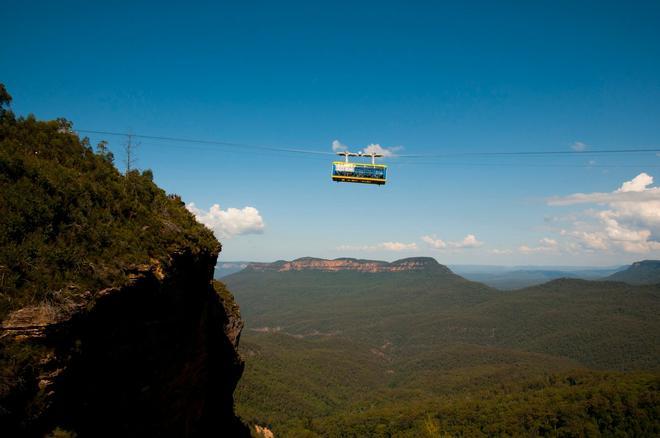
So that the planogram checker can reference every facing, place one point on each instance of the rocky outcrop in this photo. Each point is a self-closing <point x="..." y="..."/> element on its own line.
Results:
<point x="349" y="264"/>
<point x="110" y="324"/>
<point x="155" y="357"/>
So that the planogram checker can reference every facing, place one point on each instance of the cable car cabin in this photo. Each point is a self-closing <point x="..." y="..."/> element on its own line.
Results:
<point x="359" y="172"/>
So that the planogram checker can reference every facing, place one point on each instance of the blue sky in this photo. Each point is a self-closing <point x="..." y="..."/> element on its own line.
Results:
<point x="427" y="77"/>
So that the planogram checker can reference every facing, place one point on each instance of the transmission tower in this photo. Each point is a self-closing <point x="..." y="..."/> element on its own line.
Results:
<point x="130" y="149"/>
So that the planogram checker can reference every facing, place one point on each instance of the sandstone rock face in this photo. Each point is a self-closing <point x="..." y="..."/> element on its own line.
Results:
<point x="155" y="357"/>
<point x="348" y="264"/>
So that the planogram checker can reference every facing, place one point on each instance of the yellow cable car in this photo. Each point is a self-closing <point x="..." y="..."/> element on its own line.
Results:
<point x="345" y="171"/>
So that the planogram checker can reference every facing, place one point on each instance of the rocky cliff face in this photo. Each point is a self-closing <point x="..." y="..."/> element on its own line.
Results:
<point x="348" y="264"/>
<point x="156" y="357"/>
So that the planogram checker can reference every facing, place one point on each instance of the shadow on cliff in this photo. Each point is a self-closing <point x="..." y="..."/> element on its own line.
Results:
<point x="154" y="358"/>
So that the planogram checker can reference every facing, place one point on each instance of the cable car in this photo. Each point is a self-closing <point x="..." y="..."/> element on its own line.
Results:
<point x="346" y="171"/>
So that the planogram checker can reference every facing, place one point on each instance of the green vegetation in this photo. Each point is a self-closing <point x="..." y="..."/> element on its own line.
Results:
<point x="644" y="272"/>
<point x="569" y="404"/>
<point x="430" y="354"/>
<point x="232" y="309"/>
<point x="605" y="325"/>
<point x="70" y="225"/>
<point x="69" y="220"/>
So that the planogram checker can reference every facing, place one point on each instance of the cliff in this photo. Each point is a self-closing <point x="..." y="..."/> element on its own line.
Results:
<point x="111" y="324"/>
<point x="155" y="357"/>
<point x="349" y="264"/>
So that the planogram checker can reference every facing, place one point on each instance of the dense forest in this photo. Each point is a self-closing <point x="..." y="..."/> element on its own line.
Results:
<point x="431" y="354"/>
<point x="70" y="220"/>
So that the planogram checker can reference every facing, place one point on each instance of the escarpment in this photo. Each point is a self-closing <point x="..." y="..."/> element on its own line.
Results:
<point x="349" y="264"/>
<point x="110" y="322"/>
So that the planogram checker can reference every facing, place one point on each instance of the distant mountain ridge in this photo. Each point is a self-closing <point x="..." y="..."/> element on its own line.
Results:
<point x="643" y="272"/>
<point x="351" y="264"/>
<point x="518" y="279"/>
<point x="500" y="277"/>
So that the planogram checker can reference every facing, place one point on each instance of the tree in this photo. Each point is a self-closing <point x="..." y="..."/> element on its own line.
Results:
<point x="104" y="152"/>
<point x="64" y="126"/>
<point x="5" y="97"/>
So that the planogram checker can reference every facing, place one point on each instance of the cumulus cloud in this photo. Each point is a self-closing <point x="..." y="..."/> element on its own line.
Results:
<point x="338" y="146"/>
<point x="578" y="146"/>
<point x="588" y="240"/>
<point x="545" y="245"/>
<point x="546" y="241"/>
<point x="378" y="149"/>
<point x="373" y="148"/>
<point x="384" y="246"/>
<point x="636" y="191"/>
<point x="629" y="218"/>
<point x="434" y="242"/>
<point x="469" y="241"/>
<point x="230" y="222"/>
<point x="637" y="184"/>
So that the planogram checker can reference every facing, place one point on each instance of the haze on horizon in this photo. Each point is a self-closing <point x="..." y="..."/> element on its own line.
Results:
<point x="400" y="78"/>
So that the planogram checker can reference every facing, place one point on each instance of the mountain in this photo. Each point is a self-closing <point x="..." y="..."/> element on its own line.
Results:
<point x="423" y="301"/>
<point x="644" y="272"/>
<point x="334" y="345"/>
<point x="518" y="279"/>
<point x="507" y="278"/>
<point x="349" y="264"/>
<point x="110" y="324"/>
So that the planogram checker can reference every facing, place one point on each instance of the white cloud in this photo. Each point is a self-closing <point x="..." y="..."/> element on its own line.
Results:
<point x="378" y="149"/>
<point x="578" y="146"/>
<point x="338" y="146"/>
<point x="434" y="242"/>
<point x="588" y="240"/>
<point x="373" y="148"/>
<point x="230" y="222"/>
<point x="635" y="191"/>
<point x="398" y="246"/>
<point x="545" y="245"/>
<point x="630" y="220"/>
<point x="637" y="184"/>
<point x="385" y="246"/>
<point x="469" y="241"/>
